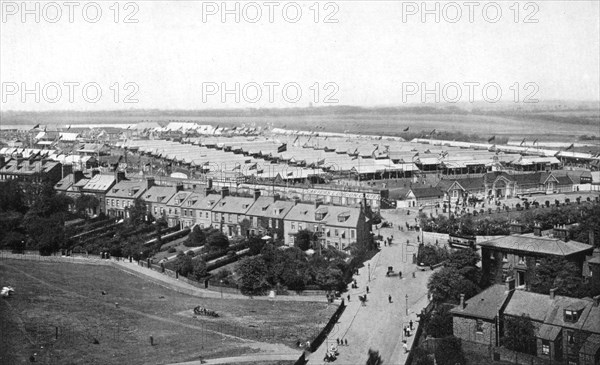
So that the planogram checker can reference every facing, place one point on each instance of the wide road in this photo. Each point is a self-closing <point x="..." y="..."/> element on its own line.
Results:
<point x="379" y="325"/>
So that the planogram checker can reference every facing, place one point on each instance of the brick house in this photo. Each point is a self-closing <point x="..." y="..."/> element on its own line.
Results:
<point x="122" y="196"/>
<point x="99" y="185"/>
<point x="230" y="212"/>
<point x="156" y="198"/>
<point x="334" y="225"/>
<point x="566" y="330"/>
<point x="203" y="209"/>
<point x="175" y="208"/>
<point x="517" y="254"/>
<point x="267" y="215"/>
<point x="417" y="197"/>
<point x="478" y="320"/>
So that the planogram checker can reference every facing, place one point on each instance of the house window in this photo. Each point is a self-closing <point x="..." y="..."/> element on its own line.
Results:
<point x="336" y="233"/>
<point x="479" y="326"/>
<point x="292" y="239"/>
<point x="571" y="315"/>
<point x="299" y="226"/>
<point x="117" y="203"/>
<point x="206" y="214"/>
<point x="293" y="225"/>
<point x="545" y="347"/>
<point x="570" y="338"/>
<point x="352" y="233"/>
<point x="504" y="257"/>
<point x="521" y="260"/>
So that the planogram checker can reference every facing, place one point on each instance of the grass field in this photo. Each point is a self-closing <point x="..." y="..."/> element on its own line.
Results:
<point x="546" y="125"/>
<point x="66" y="299"/>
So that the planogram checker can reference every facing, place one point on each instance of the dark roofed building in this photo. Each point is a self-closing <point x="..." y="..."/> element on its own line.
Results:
<point x="417" y="196"/>
<point x="518" y="254"/>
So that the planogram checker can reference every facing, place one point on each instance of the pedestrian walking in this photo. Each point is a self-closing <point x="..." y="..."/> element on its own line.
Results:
<point x="410" y="324"/>
<point x="346" y="341"/>
<point x="389" y="298"/>
<point x="348" y="297"/>
<point x="367" y="290"/>
<point x="338" y="341"/>
<point x="405" y="346"/>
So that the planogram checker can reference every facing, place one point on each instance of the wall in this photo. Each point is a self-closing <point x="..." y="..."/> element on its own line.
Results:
<point x="465" y="329"/>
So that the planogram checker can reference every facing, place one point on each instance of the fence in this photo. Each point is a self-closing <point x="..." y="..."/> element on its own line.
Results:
<point x="419" y="332"/>
<point x="328" y="327"/>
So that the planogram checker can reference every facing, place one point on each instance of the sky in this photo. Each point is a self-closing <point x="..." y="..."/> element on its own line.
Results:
<point x="196" y="55"/>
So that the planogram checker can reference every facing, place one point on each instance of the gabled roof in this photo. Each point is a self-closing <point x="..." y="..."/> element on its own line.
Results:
<point x="486" y="304"/>
<point x="177" y="199"/>
<point x="100" y="183"/>
<point x="208" y="202"/>
<point x="159" y="194"/>
<point x="539" y="245"/>
<point x="233" y="204"/>
<point x="127" y="189"/>
<point x="266" y="206"/>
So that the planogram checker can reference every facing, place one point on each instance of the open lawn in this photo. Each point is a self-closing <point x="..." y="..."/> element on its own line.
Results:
<point x="59" y="311"/>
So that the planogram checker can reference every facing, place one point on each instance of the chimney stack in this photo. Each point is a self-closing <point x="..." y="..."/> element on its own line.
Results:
<point x="224" y="191"/>
<point x="318" y="202"/>
<point x="210" y="184"/>
<point x="256" y="194"/>
<point x="120" y="176"/>
<point x="296" y="200"/>
<point x="179" y="187"/>
<point x="462" y="301"/>
<point x="537" y="229"/>
<point x="276" y="197"/>
<point x="596" y="300"/>
<point x="95" y="172"/>
<point x="77" y="176"/>
<point x="149" y="182"/>
<point x="509" y="284"/>
<point x="516" y="227"/>
<point x="552" y="293"/>
<point x="561" y="232"/>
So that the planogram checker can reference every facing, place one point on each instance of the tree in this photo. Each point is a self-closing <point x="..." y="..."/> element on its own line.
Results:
<point x="137" y="212"/>
<point x="196" y="238"/>
<point x="448" y="284"/>
<point x="184" y="264"/>
<point x="422" y="357"/>
<point x="465" y="261"/>
<point x="255" y="244"/>
<point x="253" y="275"/>
<point x="431" y="255"/>
<point x="217" y="241"/>
<point x="199" y="270"/>
<point x="85" y="202"/>
<point x="303" y="239"/>
<point x="374" y="358"/>
<point x="519" y="334"/>
<point x="440" y="323"/>
<point x="449" y="352"/>
<point x="560" y="274"/>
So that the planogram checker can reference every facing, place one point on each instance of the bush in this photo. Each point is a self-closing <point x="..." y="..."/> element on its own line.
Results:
<point x="449" y="352"/>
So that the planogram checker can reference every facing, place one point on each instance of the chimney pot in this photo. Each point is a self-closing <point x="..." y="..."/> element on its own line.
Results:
<point x="510" y="284"/>
<point x="256" y="194"/>
<point x="552" y="293"/>
<point x="596" y="300"/>
<point x="462" y="301"/>
<point x="224" y="191"/>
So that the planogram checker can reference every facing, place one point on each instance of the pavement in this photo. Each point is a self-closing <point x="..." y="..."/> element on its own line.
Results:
<point x="379" y="324"/>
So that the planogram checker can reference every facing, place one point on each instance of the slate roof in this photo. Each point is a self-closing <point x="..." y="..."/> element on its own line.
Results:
<point x="306" y="213"/>
<point x="207" y="202"/>
<point x="127" y="189"/>
<point x="537" y="245"/>
<point x="177" y="199"/>
<point x="266" y="206"/>
<point x="159" y="194"/>
<point x="233" y="204"/>
<point x="100" y="183"/>
<point x="485" y="304"/>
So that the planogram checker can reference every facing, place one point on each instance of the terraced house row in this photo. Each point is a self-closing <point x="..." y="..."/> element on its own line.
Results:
<point x="332" y="225"/>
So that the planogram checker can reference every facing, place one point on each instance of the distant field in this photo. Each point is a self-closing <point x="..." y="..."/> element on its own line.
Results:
<point x="548" y="126"/>
<point x="68" y="296"/>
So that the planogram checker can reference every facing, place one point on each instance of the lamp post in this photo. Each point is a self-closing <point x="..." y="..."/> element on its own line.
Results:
<point x="221" y="288"/>
<point x="369" y="268"/>
<point x="406" y="297"/>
